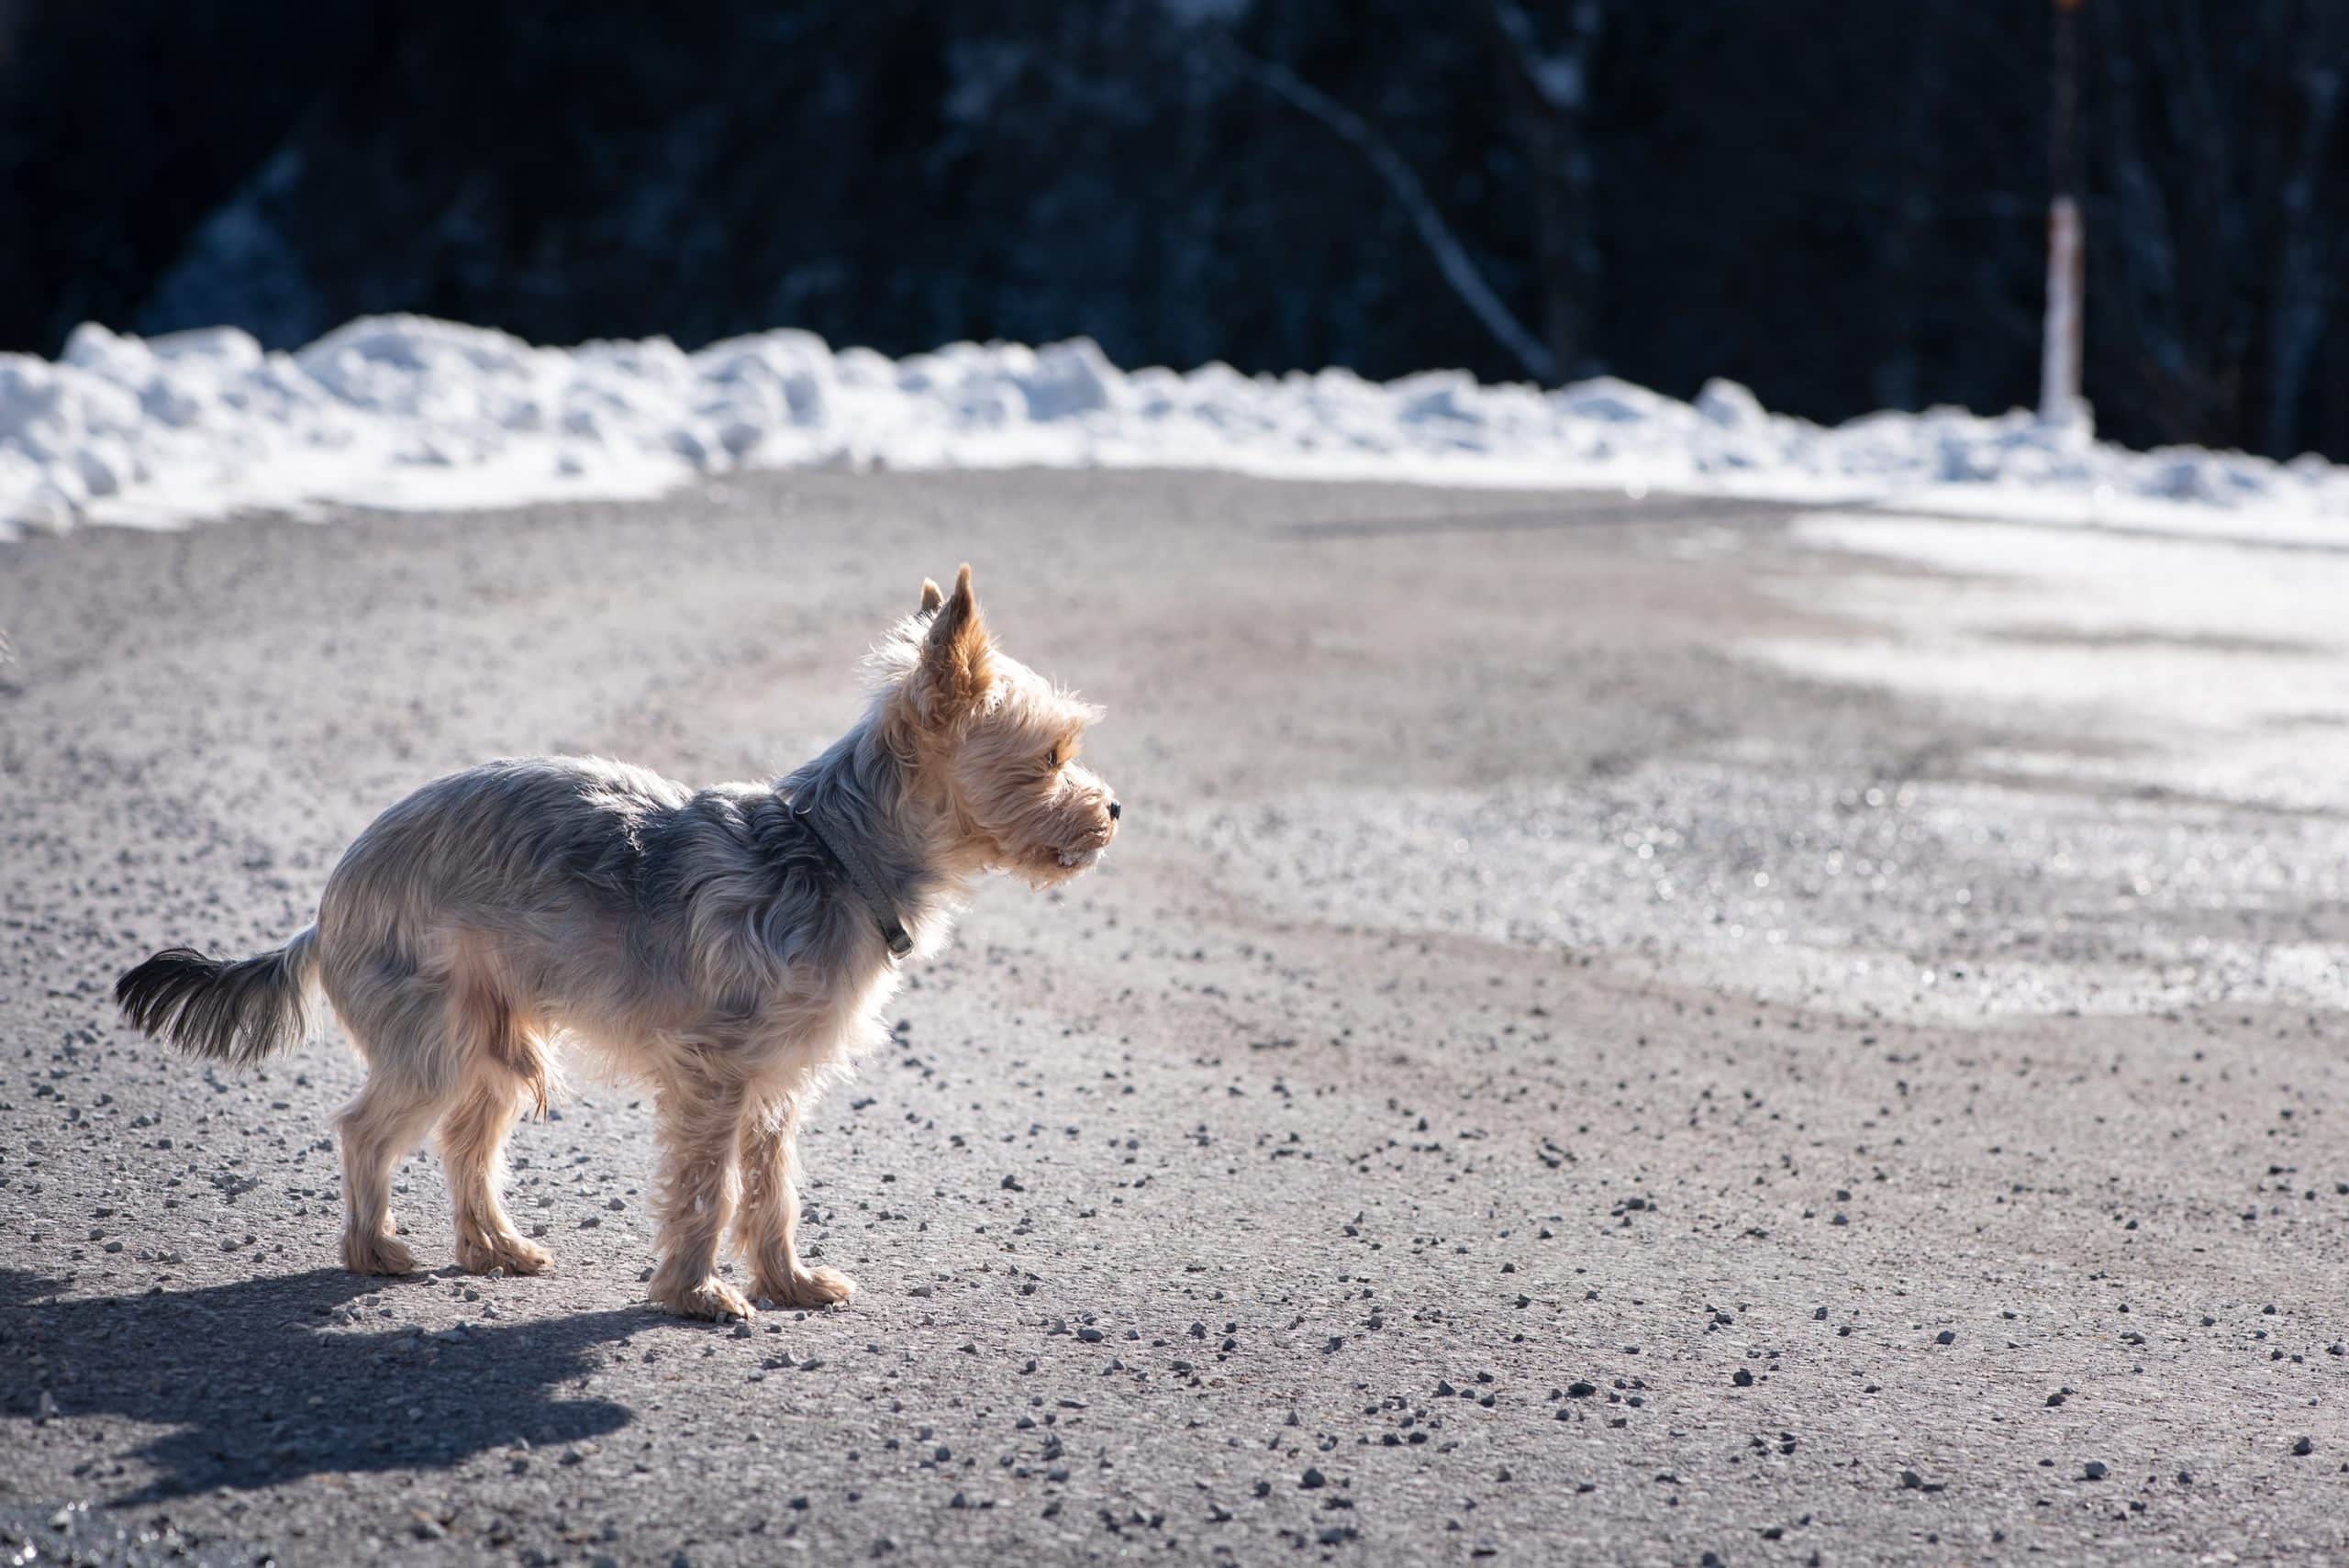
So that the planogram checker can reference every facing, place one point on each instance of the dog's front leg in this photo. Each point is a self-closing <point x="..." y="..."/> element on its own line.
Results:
<point x="700" y="1113"/>
<point x="768" y="1227"/>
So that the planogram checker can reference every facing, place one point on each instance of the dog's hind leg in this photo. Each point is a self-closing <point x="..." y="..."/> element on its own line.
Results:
<point x="379" y="1128"/>
<point x="767" y="1229"/>
<point x="472" y="1146"/>
<point x="701" y="1182"/>
<point x="496" y="1058"/>
<point x="399" y="1018"/>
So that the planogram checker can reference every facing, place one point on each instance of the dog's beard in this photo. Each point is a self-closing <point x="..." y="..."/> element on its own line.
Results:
<point x="1051" y="868"/>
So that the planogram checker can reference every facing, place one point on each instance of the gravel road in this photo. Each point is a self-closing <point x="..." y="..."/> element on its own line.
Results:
<point x="1616" y="1031"/>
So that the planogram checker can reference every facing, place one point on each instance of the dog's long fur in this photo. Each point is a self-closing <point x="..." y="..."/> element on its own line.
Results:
<point x="703" y="940"/>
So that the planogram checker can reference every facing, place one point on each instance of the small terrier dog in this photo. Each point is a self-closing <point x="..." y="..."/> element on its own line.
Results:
<point x="733" y="946"/>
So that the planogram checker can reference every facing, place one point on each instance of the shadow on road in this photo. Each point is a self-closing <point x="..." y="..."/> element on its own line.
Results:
<point x="269" y="1380"/>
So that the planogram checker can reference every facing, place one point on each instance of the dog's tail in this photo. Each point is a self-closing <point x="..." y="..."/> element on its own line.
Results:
<point x="240" y="1010"/>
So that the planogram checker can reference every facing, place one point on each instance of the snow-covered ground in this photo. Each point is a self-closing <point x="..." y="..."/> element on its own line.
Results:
<point x="404" y="412"/>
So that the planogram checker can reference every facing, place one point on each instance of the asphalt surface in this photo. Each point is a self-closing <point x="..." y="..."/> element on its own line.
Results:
<point x="1615" y="1031"/>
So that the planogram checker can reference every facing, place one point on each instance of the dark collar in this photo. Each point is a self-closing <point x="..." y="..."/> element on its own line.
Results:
<point x="857" y="871"/>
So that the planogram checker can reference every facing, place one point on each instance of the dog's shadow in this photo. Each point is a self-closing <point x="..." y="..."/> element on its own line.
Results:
<point x="268" y="1379"/>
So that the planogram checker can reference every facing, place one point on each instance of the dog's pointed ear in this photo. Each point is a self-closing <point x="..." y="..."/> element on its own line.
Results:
<point x="955" y="669"/>
<point x="932" y="597"/>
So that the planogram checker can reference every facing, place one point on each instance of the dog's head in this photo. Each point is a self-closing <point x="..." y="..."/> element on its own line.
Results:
<point x="996" y="742"/>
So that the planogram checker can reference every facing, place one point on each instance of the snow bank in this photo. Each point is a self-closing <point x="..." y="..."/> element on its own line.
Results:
<point x="403" y="412"/>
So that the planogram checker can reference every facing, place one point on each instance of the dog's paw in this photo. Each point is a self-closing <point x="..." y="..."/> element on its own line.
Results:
<point x="809" y="1287"/>
<point x="508" y="1254"/>
<point x="382" y="1254"/>
<point x="712" y="1299"/>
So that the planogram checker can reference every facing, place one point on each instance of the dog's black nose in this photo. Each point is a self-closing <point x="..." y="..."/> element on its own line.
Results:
<point x="1113" y="811"/>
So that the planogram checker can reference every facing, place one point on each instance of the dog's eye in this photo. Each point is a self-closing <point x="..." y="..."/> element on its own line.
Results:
<point x="1055" y="757"/>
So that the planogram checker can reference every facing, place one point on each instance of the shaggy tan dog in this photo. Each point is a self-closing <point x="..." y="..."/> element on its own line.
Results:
<point x="727" y="945"/>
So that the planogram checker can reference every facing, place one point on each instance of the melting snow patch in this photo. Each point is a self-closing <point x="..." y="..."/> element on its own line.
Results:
<point x="2214" y="663"/>
<point x="403" y="412"/>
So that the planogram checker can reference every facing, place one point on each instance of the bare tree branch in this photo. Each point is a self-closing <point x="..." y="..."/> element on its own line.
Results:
<point x="1451" y="257"/>
<point x="1544" y="95"/>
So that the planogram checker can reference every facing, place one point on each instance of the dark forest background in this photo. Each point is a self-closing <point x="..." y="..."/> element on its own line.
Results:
<point x="1840" y="204"/>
